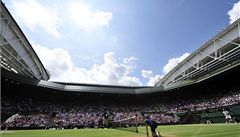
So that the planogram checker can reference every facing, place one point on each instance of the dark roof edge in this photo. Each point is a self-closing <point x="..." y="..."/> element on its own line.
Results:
<point x="3" y="5"/>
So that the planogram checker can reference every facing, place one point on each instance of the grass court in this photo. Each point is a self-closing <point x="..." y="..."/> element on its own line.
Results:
<point x="193" y="130"/>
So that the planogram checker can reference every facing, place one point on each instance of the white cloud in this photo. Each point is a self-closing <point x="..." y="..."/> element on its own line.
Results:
<point x="34" y="15"/>
<point x="58" y="61"/>
<point x="130" y="60"/>
<point x="174" y="62"/>
<point x="234" y="13"/>
<point x="148" y="74"/>
<point x="101" y="18"/>
<point x="86" y="18"/>
<point x="153" y="80"/>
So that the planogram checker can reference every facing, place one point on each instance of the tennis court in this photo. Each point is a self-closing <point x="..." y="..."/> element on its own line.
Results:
<point x="195" y="130"/>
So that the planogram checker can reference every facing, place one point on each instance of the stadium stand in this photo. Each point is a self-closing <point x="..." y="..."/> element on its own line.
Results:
<point x="87" y="110"/>
<point x="188" y="94"/>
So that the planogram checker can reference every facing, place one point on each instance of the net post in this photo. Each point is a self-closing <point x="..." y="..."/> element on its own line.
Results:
<point x="147" y="130"/>
<point x="136" y="123"/>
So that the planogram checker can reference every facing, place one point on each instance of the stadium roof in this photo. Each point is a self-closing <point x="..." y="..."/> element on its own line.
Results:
<point x="17" y="54"/>
<point x="220" y="53"/>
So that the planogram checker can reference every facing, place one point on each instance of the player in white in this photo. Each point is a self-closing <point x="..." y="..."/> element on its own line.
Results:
<point x="10" y="120"/>
<point x="228" y="117"/>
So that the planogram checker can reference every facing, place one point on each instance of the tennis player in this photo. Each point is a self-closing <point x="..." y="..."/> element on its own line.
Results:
<point x="10" y="120"/>
<point x="153" y="125"/>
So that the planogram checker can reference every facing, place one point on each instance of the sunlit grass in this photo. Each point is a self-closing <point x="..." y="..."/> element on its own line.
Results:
<point x="196" y="130"/>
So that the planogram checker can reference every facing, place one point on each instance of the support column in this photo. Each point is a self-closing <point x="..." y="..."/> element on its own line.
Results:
<point x="239" y="31"/>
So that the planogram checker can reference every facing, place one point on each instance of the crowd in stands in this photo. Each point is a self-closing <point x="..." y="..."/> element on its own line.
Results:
<point x="39" y="113"/>
<point x="205" y="103"/>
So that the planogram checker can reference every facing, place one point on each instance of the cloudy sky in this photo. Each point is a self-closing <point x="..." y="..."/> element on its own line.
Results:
<point x="118" y="42"/>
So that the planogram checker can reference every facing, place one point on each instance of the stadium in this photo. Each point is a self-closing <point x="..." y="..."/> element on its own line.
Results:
<point x="189" y="101"/>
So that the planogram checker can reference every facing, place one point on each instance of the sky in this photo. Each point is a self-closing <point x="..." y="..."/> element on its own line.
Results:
<point x="118" y="42"/>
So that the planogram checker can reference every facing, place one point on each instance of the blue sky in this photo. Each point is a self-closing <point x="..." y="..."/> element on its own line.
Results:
<point x="119" y="42"/>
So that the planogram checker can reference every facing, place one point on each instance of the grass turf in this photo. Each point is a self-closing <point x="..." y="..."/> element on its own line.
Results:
<point x="198" y="130"/>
